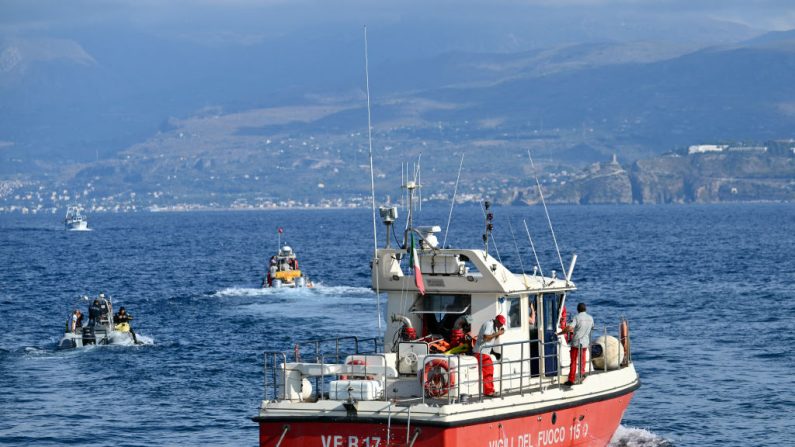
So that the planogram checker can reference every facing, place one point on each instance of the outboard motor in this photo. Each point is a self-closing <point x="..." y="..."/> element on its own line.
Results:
<point x="300" y="281"/>
<point x="276" y="283"/>
<point x="89" y="337"/>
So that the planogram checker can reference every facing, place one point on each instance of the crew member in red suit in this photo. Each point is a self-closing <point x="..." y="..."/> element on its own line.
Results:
<point x="488" y="337"/>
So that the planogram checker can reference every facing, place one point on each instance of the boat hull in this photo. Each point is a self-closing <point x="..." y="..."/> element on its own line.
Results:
<point x="586" y="424"/>
<point x="77" y="226"/>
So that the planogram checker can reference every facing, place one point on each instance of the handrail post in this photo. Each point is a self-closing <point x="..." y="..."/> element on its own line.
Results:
<point x="542" y="358"/>
<point x="629" y="346"/>
<point x="501" y="369"/>
<point x="521" y="370"/>
<point x="480" y="374"/>
<point x="618" y="351"/>
<point x="322" y="383"/>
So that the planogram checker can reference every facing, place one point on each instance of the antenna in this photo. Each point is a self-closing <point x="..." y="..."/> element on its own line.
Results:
<point x="410" y="187"/>
<point x="452" y="203"/>
<point x="538" y="264"/>
<point x="489" y="225"/>
<point x="372" y="181"/>
<point x="402" y="182"/>
<point x="418" y="176"/>
<point x="543" y="202"/>
<point x="518" y="254"/>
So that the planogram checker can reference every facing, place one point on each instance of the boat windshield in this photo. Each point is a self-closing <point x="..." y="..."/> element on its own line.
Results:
<point x="442" y="304"/>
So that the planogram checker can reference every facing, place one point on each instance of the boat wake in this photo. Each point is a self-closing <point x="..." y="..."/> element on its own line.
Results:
<point x="123" y="339"/>
<point x="318" y="290"/>
<point x="637" y="437"/>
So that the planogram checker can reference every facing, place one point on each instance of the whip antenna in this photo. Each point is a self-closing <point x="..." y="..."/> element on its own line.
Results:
<point x="452" y="203"/>
<point x="372" y="182"/>
<point x="538" y="264"/>
<point x="488" y="235"/>
<point x="519" y="254"/>
<point x="418" y="178"/>
<point x="549" y="221"/>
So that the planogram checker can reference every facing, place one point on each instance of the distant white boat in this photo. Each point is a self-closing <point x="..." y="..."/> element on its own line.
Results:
<point x="75" y="220"/>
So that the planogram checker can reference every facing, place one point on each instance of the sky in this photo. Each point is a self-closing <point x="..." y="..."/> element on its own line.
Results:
<point x="249" y="21"/>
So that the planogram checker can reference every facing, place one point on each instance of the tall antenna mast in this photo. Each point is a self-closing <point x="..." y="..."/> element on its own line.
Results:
<point x="549" y="221"/>
<point x="372" y="182"/>
<point x="419" y="179"/>
<point x="518" y="253"/>
<point x="452" y="202"/>
<point x="532" y="245"/>
<point x="410" y="186"/>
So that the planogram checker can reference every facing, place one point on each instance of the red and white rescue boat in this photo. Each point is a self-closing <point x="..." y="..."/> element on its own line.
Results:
<point x="424" y="387"/>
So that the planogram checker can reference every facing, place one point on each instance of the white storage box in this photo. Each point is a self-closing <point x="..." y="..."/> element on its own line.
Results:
<point x="356" y="389"/>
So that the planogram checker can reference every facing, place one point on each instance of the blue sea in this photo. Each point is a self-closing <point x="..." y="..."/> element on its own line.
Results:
<point x="708" y="290"/>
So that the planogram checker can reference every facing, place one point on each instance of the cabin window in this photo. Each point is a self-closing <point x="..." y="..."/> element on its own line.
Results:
<point x="532" y="315"/>
<point x="433" y="303"/>
<point x="440" y="312"/>
<point x="469" y="266"/>
<point x="551" y="312"/>
<point x="514" y="305"/>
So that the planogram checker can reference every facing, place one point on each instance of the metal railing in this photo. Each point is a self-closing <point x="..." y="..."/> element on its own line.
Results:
<point x="532" y="375"/>
<point x="340" y="347"/>
<point x="320" y="349"/>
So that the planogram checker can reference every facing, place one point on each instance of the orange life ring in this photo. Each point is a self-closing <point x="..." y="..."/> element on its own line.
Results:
<point x="353" y="377"/>
<point x="438" y="378"/>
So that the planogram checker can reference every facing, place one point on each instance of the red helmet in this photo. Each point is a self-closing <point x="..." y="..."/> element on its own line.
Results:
<point x="501" y="319"/>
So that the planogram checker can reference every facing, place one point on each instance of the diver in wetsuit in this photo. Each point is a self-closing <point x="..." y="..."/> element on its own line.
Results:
<point x="122" y="317"/>
<point x="94" y="311"/>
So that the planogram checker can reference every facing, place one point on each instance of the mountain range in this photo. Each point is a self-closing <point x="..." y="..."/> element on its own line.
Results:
<point x="198" y="121"/>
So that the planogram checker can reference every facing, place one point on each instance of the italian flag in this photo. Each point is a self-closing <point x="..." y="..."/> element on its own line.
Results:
<point x="415" y="264"/>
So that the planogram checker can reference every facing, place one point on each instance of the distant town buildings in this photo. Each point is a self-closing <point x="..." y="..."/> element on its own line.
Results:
<point x="706" y="148"/>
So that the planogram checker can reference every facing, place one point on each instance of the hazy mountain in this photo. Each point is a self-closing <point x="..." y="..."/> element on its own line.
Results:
<point x="270" y="109"/>
<point x="85" y="82"/>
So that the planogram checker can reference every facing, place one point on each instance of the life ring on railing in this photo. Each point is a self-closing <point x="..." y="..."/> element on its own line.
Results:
<point x="359" y="362"/>
<point x="438" y="378"/>
<point x="623" y="336"/>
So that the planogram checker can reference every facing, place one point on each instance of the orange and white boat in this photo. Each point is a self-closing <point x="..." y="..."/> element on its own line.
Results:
<point x="283" y="270"/>
<point x="424" y="387"/>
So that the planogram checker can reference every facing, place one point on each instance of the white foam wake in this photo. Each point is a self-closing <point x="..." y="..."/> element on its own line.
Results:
<point x="125" y="339"/>
<point x="318" y="290"/>
<point x="637" y="437"/>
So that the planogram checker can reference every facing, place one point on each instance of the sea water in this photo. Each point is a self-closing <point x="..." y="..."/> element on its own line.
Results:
<point x="708" y="291"/>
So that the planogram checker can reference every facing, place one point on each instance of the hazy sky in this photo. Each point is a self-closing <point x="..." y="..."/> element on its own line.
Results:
<point x="249" y="20"/>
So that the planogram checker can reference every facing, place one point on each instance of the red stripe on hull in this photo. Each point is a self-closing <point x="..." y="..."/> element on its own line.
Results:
<point x="591" y="424"/>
